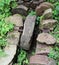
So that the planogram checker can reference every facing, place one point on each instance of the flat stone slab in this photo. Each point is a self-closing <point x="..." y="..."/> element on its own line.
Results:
<point x="41" y="60"/>
<point x="10" y="49"/>
<point x="48" y="24"/>
<point x="43" y="49"/>
<point x="27" y="32"/>
<point x="46" y="38"/>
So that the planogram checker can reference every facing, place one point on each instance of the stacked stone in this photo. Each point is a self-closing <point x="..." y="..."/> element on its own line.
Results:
<point x="30" y="3"/>
<point x="26" y="5"/>
<point x="12" y="40"/>
<point x="45" y="41"/>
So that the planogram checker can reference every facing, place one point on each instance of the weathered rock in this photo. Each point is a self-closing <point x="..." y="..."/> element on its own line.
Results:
<point x="46" y="38"/>
<point x="15" y="19"/>
<point x="21" y="9"/>
<point x="41" y="60"/>
<point x="10" y="49"/>
<point x="47" y="14"/>
<point x="43" y="49"/>
<point x="36" y="3"/>
<point x="13" y="36"/>
<point x="42" y="7"/>
<point x="27" y="32"/>
<point x="48" y="24"/>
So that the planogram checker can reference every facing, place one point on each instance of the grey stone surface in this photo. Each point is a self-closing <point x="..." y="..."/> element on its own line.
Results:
<point x="42" y="49"/>
<point x="46" y="38"/>
<point x="41" y="60"/>
<point x="27" y="32"/>
<point x="13" y="38"/>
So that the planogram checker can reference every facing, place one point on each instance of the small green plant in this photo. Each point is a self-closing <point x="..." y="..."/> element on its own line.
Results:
<point x="32" y="13"/>
<point x="5" y="7"/>
<point x="22" y="58"/>
<point x="54" y="53"/>
<point x="52" y="1"/>
<point x="56" y="11"/>
<point x="55" y="32"/>
<point x="38" y="20"/>
<point x="2" y="53"/>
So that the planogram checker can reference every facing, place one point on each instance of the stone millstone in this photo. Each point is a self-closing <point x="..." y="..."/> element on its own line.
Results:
<point x="21" y="9"/>
<point x="10" y="49"/>
<point x="46" y="38"/>
<point x="27" y="32"/>
<point x="42" y="7"/>
<point x="43" y="49"/>
<point x="15" y="19"/>
<point x="41" y="60"/>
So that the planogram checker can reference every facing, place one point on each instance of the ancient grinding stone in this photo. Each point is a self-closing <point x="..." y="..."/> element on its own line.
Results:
<point x="27" y="32"/>
<point x="46" y="38"/>
<point x="41" y="60"/>
<point x="42" y="7"/>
